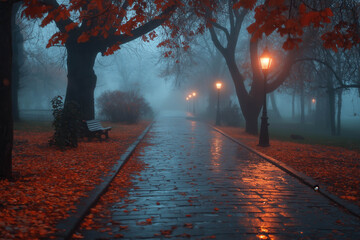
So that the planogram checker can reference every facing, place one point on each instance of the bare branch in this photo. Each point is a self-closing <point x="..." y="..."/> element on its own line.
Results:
<point x="218" y="26"/>
<point x="140" y="31"/>
<point x="231" y="15"/>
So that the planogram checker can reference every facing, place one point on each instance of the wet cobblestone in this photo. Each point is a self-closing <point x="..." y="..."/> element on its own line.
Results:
<point x="201" y="185"/>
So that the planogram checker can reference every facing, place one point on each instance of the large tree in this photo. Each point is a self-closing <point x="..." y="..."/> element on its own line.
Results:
<point x="90" y="27"/>
<point x="6" y="121"/>
<point x="86" y="28"/>
<point x="251" y="99"/>
<point x="290" y="22"/>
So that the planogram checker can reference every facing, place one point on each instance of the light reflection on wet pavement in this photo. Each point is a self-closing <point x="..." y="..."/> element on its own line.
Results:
<point x="200" y="184"/>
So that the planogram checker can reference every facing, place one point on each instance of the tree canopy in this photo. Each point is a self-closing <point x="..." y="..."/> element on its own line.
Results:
<point x="112" y="20"/>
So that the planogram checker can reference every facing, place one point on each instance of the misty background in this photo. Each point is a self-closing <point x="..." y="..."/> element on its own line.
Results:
<point x="140" y="66"/>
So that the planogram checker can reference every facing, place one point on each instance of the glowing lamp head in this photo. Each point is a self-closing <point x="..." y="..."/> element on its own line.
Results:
<point x="187" y="99"/>
<point x="194" y="94"/>
<point x="218" y="85"/>
<point x="313" y="100"/>
<point x="265" y="60"/>
<point x="190" y="95"/>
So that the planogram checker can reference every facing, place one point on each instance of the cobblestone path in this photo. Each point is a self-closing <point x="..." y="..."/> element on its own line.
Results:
<point x="201" y="185"/>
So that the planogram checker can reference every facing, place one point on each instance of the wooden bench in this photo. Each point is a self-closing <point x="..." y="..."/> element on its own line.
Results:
<point x="95" y="129"/>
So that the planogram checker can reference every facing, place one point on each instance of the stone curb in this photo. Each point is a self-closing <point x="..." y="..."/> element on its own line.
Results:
<point x="68" y="226"/>
<point x="350" y="208"/>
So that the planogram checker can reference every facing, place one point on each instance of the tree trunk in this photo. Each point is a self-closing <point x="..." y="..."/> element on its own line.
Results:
<point x="250" y="106"/>
<point x="251" y="121"/>
<point x="275" y="108"/>
<point x="293" y="105"/>
<point x="302" y="103"/>
<point x="6" y="121"/>
<point x="331" y="95"/>
<point x="339" y="106"/>
<point x="81" y="79"/>
<point x="17" y="60"/>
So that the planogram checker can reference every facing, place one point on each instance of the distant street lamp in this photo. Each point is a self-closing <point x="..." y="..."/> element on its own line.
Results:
<point x="194" y="95"/>
<point x="218" y="120"/>
<point x="313" y="104"/>
<point x="265" y="64"/>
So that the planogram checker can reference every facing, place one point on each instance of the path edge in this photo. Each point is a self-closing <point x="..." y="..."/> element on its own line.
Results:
<point x="349" y="207"/>
<point x="67" y="227"/>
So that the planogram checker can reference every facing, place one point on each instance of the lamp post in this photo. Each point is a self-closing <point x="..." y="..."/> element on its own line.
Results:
<point x="265" y="64"/>
<point x="313" y="107"/>
<point x="187" y="105"/>
<point x="218" y="119"/>
<point x="190" y="96"/>
<point x="194" y="95"/>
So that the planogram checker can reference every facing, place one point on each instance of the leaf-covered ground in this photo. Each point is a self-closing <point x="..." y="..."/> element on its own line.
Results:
<point x="100" y="218"/>
<point x="48" y="182"/>
<point x="335" y="167"/>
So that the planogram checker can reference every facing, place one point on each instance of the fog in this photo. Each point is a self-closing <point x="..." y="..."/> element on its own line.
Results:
<point x="141" y="67"/>
<point x="133" y="68"/>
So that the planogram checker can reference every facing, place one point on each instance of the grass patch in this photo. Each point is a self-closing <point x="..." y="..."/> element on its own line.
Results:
<point x="349" y="139"/>
<point x="33" y="126"/>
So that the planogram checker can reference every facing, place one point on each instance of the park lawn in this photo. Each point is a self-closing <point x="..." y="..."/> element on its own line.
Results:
<point x="49" y="182"/>
<point x="336" y="168"/>
<point x="349" y="139"/>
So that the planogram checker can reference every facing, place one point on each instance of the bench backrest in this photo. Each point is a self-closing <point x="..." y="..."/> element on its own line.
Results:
<point x="94" y="125"/>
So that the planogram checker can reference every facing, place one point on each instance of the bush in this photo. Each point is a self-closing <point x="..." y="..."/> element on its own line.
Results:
<point x="230" y="115"/>
<point x="129" y="107"/>
<point x="66" y="123"/>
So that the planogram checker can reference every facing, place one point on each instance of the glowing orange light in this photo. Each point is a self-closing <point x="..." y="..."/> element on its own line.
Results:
<point x="262" y="236"/>
<point x="194" y="94"/>
<point x="187" y="99"/>
<point x="218" y="85"/>
<point x="313" y="100"/>
<point x="265" y="60"/>
<point x="190" y="96"/>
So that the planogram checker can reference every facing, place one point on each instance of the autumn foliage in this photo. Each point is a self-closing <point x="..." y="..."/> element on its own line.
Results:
<point x="106" y="18"/>
<point x="275" y="17"/>
<point x="49" y="182"/>
<point x="117" y="193"/>
<point x="335" y="168"/>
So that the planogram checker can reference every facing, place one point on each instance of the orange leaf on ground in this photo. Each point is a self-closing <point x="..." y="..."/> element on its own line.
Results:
<point x="51" y="181"/>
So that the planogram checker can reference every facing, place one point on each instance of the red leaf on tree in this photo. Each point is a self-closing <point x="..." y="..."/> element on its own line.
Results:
<point x="71" y="26"/>
<point x="84" y="37"/>
<point x="249" y="4"/>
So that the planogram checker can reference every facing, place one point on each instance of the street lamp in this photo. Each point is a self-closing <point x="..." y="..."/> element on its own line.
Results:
<point x="218" y="120"/>
<point x="265" y="64"/>
<point x="194" y="95"/>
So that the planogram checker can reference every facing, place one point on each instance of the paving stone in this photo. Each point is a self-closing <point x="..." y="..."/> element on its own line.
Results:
<point x="204" y="180"/>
